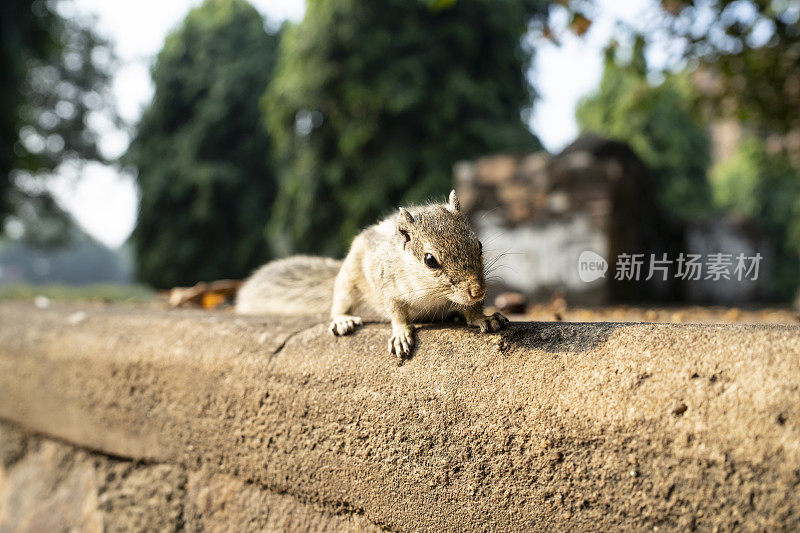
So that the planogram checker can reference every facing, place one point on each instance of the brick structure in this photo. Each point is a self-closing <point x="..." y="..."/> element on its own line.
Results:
<point x="537" y="214"/>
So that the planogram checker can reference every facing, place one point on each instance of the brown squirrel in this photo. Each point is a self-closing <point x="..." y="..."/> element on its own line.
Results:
<point x="420" y="265"/>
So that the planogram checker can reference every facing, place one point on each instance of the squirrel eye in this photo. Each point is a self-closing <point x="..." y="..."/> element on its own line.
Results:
<point x="431" y="261"/>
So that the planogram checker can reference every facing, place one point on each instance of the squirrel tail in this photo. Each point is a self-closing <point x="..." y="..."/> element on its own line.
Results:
<point x="297" y="285"/>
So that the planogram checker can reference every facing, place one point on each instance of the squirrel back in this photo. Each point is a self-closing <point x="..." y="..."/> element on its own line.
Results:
<point x="297" y="285"/>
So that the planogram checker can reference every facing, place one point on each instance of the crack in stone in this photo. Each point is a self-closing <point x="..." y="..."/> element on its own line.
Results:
<point x="290" y="336"/>
<point x="332" y="507"/>
<point x="145" y="461"/>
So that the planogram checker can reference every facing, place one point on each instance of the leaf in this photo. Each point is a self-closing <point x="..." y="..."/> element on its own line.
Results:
<point x="212" y="300"/>
<point x="579" y="24"/>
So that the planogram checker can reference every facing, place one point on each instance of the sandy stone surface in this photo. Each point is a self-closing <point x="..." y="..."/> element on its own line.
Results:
<point x="49" y="486"/>
<point x="557" y="310"/>
<point x="579" y="426"/>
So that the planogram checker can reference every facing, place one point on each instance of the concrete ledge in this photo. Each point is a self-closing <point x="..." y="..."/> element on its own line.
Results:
<point x="565" y="425"/>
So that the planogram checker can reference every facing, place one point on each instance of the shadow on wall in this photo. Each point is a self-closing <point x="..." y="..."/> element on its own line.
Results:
<point x="559" y="337"/>
<point x="551" y="337"/>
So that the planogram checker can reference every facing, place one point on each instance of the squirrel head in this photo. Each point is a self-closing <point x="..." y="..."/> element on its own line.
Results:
<point x="444" y="251"/>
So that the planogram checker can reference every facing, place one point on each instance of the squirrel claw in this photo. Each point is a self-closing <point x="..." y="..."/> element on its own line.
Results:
<point x="400" y="343"/>
<point x="491" y="323"/>
<point x="344" y="324"/>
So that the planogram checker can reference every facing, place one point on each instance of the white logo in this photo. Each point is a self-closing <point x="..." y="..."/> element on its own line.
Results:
<point x="591" y="266"/>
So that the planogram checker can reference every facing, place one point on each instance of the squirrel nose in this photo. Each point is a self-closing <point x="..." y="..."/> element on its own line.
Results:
<point x="477" y="291"/>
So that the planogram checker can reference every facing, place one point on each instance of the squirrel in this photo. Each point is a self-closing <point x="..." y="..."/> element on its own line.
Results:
<point x="420" y="265"/>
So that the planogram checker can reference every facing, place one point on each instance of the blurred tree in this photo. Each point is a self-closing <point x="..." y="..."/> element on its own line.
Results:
<point x="55" y="83"/>
<point x="766" y="188"/>
<point x="749" y="51"/>
<point x="204" y="173"/>
<point x="659" y="124"/>
<point x="373" y="102"/>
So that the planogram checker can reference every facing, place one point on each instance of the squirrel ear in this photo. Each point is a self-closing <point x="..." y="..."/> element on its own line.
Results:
<point x="452" y="203"/>
<point x="404" y="222"/>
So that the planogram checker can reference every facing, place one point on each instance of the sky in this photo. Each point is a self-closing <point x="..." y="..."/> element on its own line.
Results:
<point x="104" y="202"/>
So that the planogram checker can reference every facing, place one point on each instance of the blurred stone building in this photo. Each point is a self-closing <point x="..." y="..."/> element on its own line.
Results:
<point x="542" y="219"/>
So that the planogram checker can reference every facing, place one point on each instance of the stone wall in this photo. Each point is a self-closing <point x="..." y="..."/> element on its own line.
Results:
<point x="48" y="485"/>
<point x="732" y="237"/>
<point x="537" y="215"/>
<point x="132" y="418"/>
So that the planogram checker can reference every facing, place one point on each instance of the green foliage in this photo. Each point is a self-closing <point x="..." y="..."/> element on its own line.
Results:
<point x="204" y="173"/>
<point x="373" y="102"/>
<point x="659" y="124"/>
<point x="750" y="48"/>
<point x="765" y="188"/>
<point x="56" y="75"/>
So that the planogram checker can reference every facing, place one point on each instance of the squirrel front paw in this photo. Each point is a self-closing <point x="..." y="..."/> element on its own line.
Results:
<point x="401" y="341"/>
<point x="492" y="323"/>
<point x="344" y="324"/>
